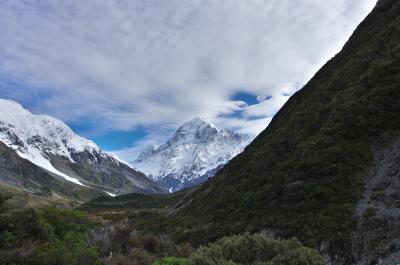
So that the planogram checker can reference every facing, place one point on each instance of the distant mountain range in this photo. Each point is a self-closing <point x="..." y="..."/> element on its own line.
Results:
<point x="40" y="143"/>
<point x="195" y="152"/>
<point x="43" y="156"/>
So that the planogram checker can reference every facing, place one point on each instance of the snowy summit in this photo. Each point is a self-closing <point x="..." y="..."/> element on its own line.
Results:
<point x="51" y="145"/>
<point x="195" y="152"/>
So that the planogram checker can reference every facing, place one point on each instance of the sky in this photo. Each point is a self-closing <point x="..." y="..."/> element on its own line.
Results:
<point x="127" y="73"/>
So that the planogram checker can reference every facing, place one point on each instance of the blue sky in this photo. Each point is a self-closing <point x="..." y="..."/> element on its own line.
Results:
<point x="248" y="98"/>
<point x="129" y="79"/>
<point x="117" y="140"/>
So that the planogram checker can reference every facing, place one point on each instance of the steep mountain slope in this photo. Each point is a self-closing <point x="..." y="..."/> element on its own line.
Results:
<point x="195" y="152"/>
<point x="18" y="174"/>
<point x="326" y="169"/>
<point x="56" y="150"/>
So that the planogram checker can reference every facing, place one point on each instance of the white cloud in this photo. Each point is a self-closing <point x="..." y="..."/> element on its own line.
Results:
<point x="124" y="64"/>
<point x="153" y="138"/>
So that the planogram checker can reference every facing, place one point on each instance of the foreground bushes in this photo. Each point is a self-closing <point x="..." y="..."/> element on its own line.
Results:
<point x="53" y="236"/>
<point x="172" y="261"/>
<point x="68" y="242"/>
<point x="251" y="250"/>
<point x="63" y="237"/>
<point x="46" y="237"/>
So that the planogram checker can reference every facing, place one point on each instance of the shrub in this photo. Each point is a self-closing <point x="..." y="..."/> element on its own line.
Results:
<point x="257" y="250"/>
<point x="157" y="244"/>
<point x="71" y="250"/>
<point x="45" y="237"/>
<point x="68" y="243"/>
<point x="8" y="240"/>
<point x="136" y="257"/>
<point x="64" y="221"/>
<point x="184" y="250"/>
<point x="172" y="261"/>
<point x="3" y="199"/>
<point x="19" y="226"/>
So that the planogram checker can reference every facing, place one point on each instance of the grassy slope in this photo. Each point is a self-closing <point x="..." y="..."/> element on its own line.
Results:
<point x="135" y="202"/>
<point x="303" y="175"/>
<point x="32" y="185"/>
<point x="23" y="199"/>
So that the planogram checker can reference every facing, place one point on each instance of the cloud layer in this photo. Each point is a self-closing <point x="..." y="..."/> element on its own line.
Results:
<point x="119" y="65"/>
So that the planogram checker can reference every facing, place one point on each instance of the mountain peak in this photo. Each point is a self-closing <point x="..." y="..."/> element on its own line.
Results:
<point x="10" y="108"/>
<point x="194" y="152"/>
<point x="195" y="124"/>
<point x="50" y="144"/>
<point x="10" y="103"/>
<point x="194" y="130"/>
<point x="25" y="125"/>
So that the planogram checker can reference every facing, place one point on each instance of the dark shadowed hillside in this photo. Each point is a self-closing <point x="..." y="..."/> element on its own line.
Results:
<point x="306" y="173"/>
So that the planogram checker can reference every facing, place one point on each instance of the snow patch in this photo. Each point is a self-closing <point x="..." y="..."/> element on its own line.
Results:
<point x="110" y="194"/>
<point x="36" y="158"/>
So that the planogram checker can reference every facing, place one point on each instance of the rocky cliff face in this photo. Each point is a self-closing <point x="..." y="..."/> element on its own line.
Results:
<point x="376" y="239"/>
<point x="30" y="180"/>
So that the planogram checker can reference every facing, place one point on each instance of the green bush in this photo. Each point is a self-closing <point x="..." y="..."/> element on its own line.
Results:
<point x="3" y="199"/>
<point x="68" y="243"/>
<point x="64" y="221"/>
<point x="172" y="261"/>
<point x="71" y="250"/>
<point x="46" y="237"/>
<point x="255" y="250"/>
<point x="8" y="240"/>
<point x="17" y="227"/>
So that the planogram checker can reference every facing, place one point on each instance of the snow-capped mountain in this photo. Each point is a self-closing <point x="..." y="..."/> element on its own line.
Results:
<point x="195" y="152"/>
<point x="51" y="145"/>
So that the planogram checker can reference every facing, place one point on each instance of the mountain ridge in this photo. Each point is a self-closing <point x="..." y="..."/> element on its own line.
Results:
<point x="306" y="173"/>
<point x="195" y="152"/>
<point x="51" y="145"/>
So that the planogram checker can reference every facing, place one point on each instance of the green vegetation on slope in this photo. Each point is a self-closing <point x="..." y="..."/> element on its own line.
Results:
<point x="47" y="236"/>
<point x="255" y="250"/>
<point x="134" y="202"/>
<point x="304" y="174"/>
<point x="51" y="236"/>
<point x="172" y="261"/>
<point x="249" y="250"/>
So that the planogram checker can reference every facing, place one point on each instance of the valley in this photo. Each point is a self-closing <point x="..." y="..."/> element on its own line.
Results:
<point x="320" y="185"/>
